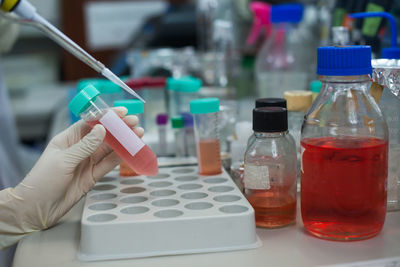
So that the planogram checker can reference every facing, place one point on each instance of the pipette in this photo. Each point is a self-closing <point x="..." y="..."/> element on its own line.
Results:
<point x="27" y="15"/>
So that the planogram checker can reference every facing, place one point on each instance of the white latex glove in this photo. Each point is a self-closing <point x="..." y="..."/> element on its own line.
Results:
<point x="8" y="34"/>
<point x="69" y="167"/>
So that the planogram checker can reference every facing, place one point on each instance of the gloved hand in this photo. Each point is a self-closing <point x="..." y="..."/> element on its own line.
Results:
<point x="69" y="167"/>
<point x="8" y="34"/>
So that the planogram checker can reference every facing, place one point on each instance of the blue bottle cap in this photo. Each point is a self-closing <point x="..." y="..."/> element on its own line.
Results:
<point x="344" y="60"/>
<point x="391" y="52"/>
<point x="292" y="13"/>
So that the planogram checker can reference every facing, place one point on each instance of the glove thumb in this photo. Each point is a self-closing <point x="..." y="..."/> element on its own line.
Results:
<point x="87" y="145"/>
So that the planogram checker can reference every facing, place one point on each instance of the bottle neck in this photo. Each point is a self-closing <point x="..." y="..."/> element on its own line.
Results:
<point x="270" y="135"/>
<point x="342" y="83"/>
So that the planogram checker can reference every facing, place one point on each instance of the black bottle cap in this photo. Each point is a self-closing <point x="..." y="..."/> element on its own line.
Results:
<point x="271" y="102"/>
<point x="270" y="119"/>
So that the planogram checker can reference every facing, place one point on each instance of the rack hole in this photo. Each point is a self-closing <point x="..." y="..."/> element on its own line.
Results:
<point x="168" y="213"/>
<point x="133" y="190"/>
<point x="186" y="178"/>
<point x="159" y="176"/>
<point x="194" y="195"/>
<point x="165" y="202"/>
<point x="183" y="170"/>
<point x="104" y="187"/>
<point x="221" y="189"/>
<point x="103" y="196"/>
<point x="217" y="180"/>
<point x="234" y="209"/>
<point x="160" y="184"/>
<point x="107" y="179"/>
<point x="133" y="199"/>
<point x="163" y="193"/>
<point x="102" y="206"/>
<point x="132" y="181"/>
<point x="190" y="186"/>
<point x="227" y="198"/>
<point x="198" y="206"/>
<point x="135" y="210"/>
<point x="104" y="217"/>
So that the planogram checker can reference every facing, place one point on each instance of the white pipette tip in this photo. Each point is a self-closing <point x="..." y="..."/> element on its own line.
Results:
<point x="114" y="78"/>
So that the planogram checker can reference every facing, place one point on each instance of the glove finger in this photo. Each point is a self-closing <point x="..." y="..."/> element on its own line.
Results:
<point x="107" y="164"/>
<point x="86" y="146"/>
<point x="131" y="120"/>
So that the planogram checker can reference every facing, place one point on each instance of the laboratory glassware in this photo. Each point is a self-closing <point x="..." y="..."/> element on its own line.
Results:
<point x="110" y="92"/>
<point x="344" y="150"/>
<point x="270" y="169"/>
<point x="267" y="102"/>
<point x="179" y="133"/>
<point x="298" y="102"/>
<point x="162" y="121"/>
<point x="205" y="112"/>
<point x="180" y="92"/>
<point x="91" y="108"/>
<point x="281" y="63"/>
<point x="134" y="107"/>
<point x="190" y="143"/>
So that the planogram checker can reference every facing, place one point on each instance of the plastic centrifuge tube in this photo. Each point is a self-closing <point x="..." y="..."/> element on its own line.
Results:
<point x="134" y="107"/>
<point x="205" y="113"/>
<point x="91" y="108"/>
<point x="162" y="121"/>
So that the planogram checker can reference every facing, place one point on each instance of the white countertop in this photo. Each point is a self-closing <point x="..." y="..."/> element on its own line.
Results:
<point x="289" y="246"/>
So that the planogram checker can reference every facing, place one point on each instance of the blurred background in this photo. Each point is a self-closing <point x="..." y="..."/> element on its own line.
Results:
<point x="205" y="39"/>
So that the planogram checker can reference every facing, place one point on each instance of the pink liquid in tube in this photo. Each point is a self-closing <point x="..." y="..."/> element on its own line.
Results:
<point x="127" y="144"/>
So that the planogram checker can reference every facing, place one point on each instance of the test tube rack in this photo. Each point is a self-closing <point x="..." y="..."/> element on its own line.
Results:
<point x="175" y="212"/>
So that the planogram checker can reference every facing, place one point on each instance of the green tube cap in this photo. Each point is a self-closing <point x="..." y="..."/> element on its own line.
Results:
<point x="185" y="84"/>
<point x="134" y="106"/>
<point x="102" y="85"/>
<point x="315" y="86"/>
<point x="204" y="105"/>
<point x="82" y="100"/>
<point x="177" y="122"/>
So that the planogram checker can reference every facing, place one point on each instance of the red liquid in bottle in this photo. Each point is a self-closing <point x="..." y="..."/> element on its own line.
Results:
<point x="209" y="157"/>
<point x="143" y="162"/>
<point x="343" y="186"/>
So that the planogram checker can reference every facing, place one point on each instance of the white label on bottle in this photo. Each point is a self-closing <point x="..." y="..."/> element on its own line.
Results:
<point x="117" y="127"/>
<point x="256" y="177"/>
<point x="302" y="149"/>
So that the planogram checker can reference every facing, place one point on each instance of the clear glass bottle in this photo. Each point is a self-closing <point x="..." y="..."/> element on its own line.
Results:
<point x="91" y="108"/>
<point x="344" y="150"/>
<point x="270" y="169"/>
<point x="205" y="112"/>
<point x="134" y="107"/>
<point x="281" y="64"/>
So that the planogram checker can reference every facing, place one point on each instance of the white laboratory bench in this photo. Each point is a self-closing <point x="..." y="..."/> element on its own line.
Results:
<point x="289" y="246"/>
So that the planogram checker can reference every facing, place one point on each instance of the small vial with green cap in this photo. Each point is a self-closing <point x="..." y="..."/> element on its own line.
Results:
<point x="179" y="132"/>
<point x="181" y="91"/>
<point x="134" y="107"/>
<point x="91" y="108"/>
<point x="205" y="113"/>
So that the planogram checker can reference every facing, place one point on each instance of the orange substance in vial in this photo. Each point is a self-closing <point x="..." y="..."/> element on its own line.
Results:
<point x="126" y="170"/>
<point x="272" y="209"/>
<point x="208" y="154"/>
